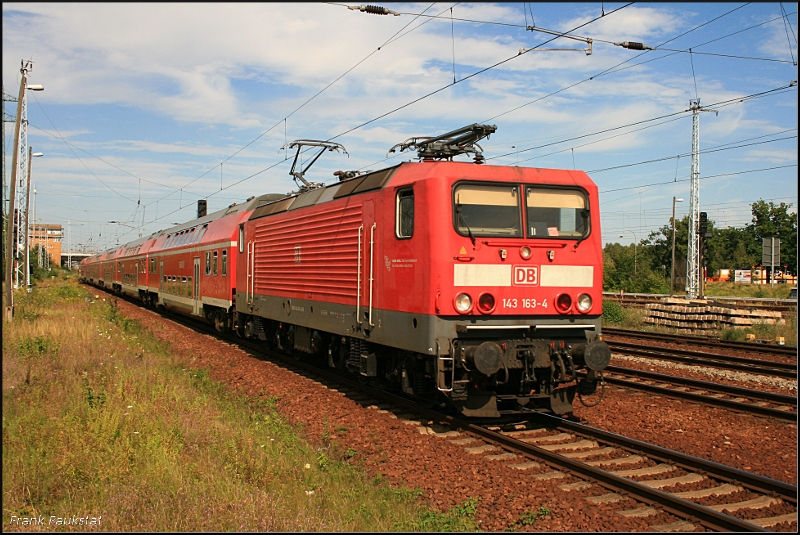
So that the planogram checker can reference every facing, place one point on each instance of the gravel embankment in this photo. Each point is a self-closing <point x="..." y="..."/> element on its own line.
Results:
<point x="448" y="475"/>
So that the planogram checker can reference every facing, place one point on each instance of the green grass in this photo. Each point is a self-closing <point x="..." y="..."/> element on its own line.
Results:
<point x="740" y="289"/>
<point x="615" y="315"/>
<point x="100" y="419"/>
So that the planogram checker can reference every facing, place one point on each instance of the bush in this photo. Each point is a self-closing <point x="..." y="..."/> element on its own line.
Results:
<point x="613" y="312"/>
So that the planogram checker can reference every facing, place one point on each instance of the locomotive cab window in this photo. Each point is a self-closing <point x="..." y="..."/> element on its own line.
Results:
<point x="556" y="213"/>
<point x="404" y="226"/>
<point x="487" y="210"/>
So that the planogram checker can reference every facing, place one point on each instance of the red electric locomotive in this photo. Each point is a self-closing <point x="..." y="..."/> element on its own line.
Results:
<point x="476" y="285"/>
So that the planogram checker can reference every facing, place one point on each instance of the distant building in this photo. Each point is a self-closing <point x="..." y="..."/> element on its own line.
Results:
<point x="49" y="236"/>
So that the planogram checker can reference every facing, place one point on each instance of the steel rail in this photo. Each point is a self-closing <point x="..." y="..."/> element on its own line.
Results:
<point x="708" y="400"/>
<point x="701" y="340"/>
<point x="752" y="481"/>
<point x="716" y="356"/>
<point x="669" y="502"/>
<point x="777" y="369"/>
<point x="704" y="385"/>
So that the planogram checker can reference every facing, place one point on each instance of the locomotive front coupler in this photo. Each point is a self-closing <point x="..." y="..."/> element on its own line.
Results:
<point x="528" y="378"/>
<point x="565" y="354"/>
<point x="558" y="370"/>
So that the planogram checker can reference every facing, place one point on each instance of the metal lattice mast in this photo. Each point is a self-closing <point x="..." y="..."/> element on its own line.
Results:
<point x="21" y="216"/>
<point x="693" y="260"/>
<point x="6" y="209"/>
<point x="694" y="267"/>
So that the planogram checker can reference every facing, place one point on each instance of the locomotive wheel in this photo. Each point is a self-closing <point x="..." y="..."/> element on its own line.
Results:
<point x="338" y="356"/>
<point x="238" y="325"/>
<point x="424" y="390"/>
<point x="220" y="321"/>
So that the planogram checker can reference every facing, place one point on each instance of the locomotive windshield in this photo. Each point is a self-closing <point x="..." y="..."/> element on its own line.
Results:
<point x="487" y="210"/>
<point x="552" y="212"/>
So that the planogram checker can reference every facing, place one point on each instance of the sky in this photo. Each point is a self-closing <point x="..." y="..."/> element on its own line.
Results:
<point x="147" y="108"/>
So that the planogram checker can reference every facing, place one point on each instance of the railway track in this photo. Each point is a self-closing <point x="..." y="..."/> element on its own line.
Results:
<point x="605" y="467"/>
<point x="566" y="450"/>
<point x="701" y="358"/>
<point x="586" y="460"/>
<point x="608" y="459"/>
<point x="744" y="400"/>
<point x="764" y="349"/>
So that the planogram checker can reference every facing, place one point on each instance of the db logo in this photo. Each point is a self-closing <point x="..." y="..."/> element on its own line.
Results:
<point x="526" y="275"/>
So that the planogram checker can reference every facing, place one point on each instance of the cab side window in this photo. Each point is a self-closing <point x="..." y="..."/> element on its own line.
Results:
<point x="404" y="217"/>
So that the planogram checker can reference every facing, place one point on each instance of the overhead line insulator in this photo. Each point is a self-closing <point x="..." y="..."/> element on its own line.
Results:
<point x="374" y="10"/>
<point x="633" y="45"/>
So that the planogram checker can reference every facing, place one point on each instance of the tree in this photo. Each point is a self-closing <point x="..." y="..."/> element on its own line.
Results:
<point x="658" y="247"/>
<point x="736" y="249"/>
<point x="729" y="248"/>
<point x="629" y="269"/>
<point x="770" y="220"/>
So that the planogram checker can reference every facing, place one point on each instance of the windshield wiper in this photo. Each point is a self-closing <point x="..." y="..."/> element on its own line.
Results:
<point x="461" y="218"/>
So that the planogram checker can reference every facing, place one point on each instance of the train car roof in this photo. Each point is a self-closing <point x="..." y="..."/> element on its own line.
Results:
<point x="156" y="240"/>
<point x="409" y="172"/>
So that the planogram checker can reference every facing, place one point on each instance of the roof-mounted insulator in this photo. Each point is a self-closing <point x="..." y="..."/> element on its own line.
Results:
<point x="374" y="10"/>
<point x="632" y="45"/>
<point x="345" y="175"/>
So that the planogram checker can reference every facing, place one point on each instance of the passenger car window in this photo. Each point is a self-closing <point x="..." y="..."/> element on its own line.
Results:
<point x="556" y="213"/>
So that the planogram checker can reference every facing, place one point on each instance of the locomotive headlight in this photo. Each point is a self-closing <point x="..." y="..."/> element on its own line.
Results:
<point x="463" y="303"/>
<point x="584" y="302"/>
<point x="525" y="252"/>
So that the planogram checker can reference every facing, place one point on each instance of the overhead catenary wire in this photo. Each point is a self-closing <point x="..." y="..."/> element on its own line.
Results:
<point x="720" y="175"/>
<point x="255" y="174"/>
<point x="393" y="38"/>
<point x="284" y="120"/>
<point x="703" y="151"/>
<point x="720" y="104"/>
<point x="606" y="71"/>
<point x="480" y="71"/>
<point x="431" y="17"/>
<point x="409" y="103"/>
